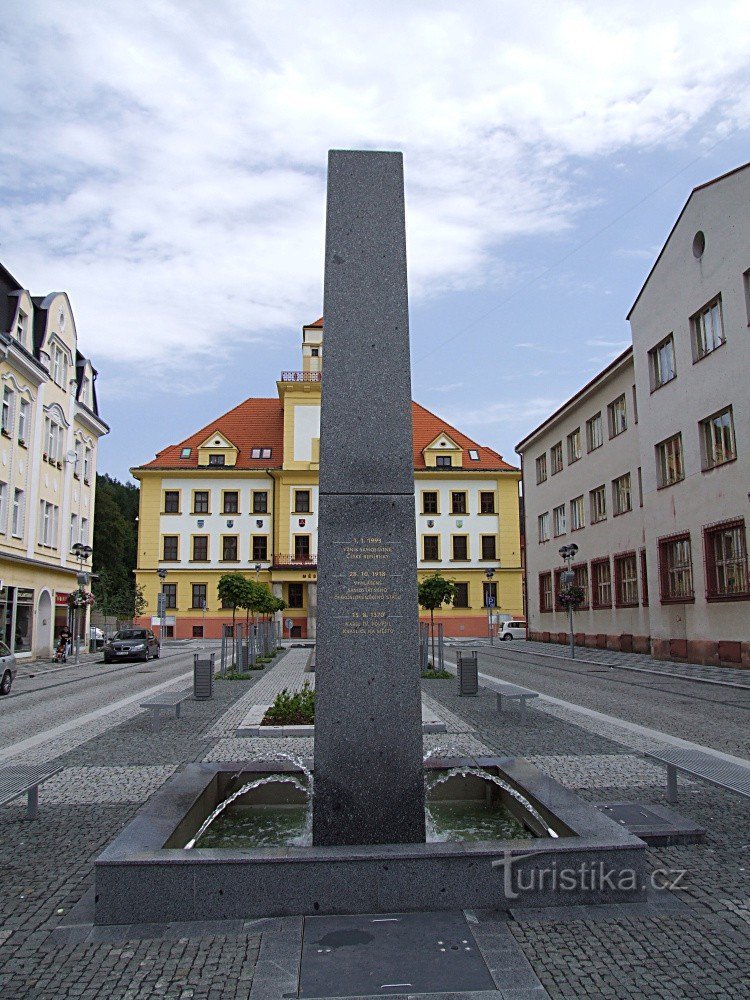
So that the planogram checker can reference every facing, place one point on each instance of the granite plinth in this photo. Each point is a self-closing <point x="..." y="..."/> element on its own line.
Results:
<point x="145" y="876"/>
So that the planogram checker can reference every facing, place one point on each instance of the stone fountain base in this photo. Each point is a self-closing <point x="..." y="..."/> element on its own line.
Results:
<point x="146" y="875"/>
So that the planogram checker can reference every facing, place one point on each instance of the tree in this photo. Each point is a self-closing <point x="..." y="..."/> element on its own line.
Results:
<point x="115" y="546"/>
<point x="433" y="591"/>
<point x="234" y="592"/>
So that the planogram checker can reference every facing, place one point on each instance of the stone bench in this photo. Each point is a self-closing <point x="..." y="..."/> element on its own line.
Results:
<point x="164" y="703"/>
<point x="20" y="779"/>
<point x="514" y="692"/>
<point x="707" y="767"/>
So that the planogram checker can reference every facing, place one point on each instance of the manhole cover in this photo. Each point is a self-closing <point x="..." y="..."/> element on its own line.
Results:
<point x="654" y="824"/>
<point x="387" y="954"/>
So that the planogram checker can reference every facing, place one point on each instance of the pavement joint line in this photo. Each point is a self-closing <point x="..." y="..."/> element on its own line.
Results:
<point x="629" y="727"/>
<point x="49" y="734"/>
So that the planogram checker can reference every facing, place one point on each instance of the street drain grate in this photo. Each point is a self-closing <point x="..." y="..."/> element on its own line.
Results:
<point x="657" y="825"/>
<point x="390" y="954"/>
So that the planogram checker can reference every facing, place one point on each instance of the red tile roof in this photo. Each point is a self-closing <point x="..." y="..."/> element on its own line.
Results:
<point x="259" y="423"/>
<point x="316" y="324"/>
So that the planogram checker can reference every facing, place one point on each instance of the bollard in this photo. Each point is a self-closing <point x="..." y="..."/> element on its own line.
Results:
<point x="203" y="677"/>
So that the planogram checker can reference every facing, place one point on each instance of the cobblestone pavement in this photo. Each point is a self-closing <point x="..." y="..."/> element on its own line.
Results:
<point x="46" y="865"/>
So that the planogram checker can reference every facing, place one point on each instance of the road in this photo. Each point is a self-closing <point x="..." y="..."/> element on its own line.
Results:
<point x="712" y="715"/>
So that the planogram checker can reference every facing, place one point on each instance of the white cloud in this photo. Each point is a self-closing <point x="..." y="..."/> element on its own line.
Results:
<point x="165" y="163"/>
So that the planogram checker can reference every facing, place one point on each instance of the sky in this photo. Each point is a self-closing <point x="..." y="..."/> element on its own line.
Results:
<point x="164" y="164"/>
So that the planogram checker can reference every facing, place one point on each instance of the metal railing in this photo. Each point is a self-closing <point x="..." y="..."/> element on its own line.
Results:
<point x="301" y="376"/>
<point x="286" y="560"/>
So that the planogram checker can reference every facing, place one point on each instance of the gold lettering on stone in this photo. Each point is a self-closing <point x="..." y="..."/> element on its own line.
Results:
<point x="366" y="599"/>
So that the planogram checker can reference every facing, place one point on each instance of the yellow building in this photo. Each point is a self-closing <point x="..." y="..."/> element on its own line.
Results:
<point x="49" y="429"/>
<point x="241" y="494"/>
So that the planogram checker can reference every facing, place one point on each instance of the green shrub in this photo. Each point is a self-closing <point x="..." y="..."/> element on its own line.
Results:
<point x="436" y="675"/>
<point x="296" y="709"/>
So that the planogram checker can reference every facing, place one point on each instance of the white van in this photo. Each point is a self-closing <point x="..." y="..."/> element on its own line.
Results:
<point x="513" y="630"/>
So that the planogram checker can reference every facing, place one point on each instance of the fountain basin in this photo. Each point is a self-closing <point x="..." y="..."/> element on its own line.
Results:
<point x="146" y="875"/>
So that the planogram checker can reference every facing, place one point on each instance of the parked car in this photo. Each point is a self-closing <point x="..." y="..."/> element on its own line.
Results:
<point x="8" y="669"/>
<point x="138" y="643"/>
<point x="513" y="630"/>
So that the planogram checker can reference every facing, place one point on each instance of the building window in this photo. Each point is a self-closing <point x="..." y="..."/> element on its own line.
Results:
<point x="200" y="548"/>
<point x="635" y="406"/>
<point x="473" y="454"/>
<point x="186" y="452"/>
<point x="260" y="452"/>
<point x="59" y="367"/>
<point x="302" y="501"/>
<point x="559" y="525"/>
<point x="489" y="547"/>
<point x="302" y="548"/>
<point x="644" y="579"/>
<point x="708" y="329"/>
<point x="169" y="548"/>
<point x="486" y="503"/>
<point x="746" y="281"/>
<point x="216" y="459"/>
<point x="199" y="595"/>
<point x="541" y="469"/>
<point x="626" y="580"/>
<point x="260" y="548"/>
<point x="443" y="461"/>
<point x="461" y="599"/>
<point x="172" y="502"/>
<point x="669" y="467"/>
<point x="170" y="593"/>
<point x="622" y="500"/>
<point x="197" y="631"/>
<point x="6" y="420"/>
<point x="545" y="592"/>
<point x="458" y="503"/>
<point x="3" y="506"/>
<point x="717" y="439"/>
<point x="558" y="590"/>
<point x="429" y="502"/>
<point x="23" y="421"/>
<point x="577" y="518"/>
<point x="594" y="432"/>
<point x="48" y="522"/>
<point x="490" y="594"/>
<point x="460" y="547"/>
<point x="581" y="579"/>
<point x="726" y="560"/>
<point x="676" y="569"/>
<point x="86" y="463"/>
<point x="16" y="521"/>
<point x="74" y="530"/>
<point x="295" y="595"/>
<point x="661" y="363"/>
<point x="200" y="502"/>
<point x="430" y="548"/>
<point x="231" y="502"/>
<point x="556" y="458"/>
<point x="21" y="327"/>
<point x="617" y="416"/>
<point x="260" y="502"/>
<point x="598" y="498"/>
<point x="85" y="530"/>
<point x="574" y="445"/>
<point x="543" y="521"/>
<point x="601" y="584"/>
<point x="229" y="548"/>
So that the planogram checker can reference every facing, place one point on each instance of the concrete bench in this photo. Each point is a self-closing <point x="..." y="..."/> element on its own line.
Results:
<point x="164" y="703"/>
<point x="697" y="764"/>
<point x="513" y="692"/>
<point x="20" y="779"/>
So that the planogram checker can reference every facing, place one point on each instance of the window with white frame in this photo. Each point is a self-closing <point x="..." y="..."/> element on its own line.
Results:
<point x="543" y="522"/>
<point x="23" y="421"/>
<point x="717" y="439"/>
<point x="260" y="453"/>
<point x="556" y="458"/>
<point x="618" y="416"/>
<point x="541" y="469"/>
<point x="574" y="445"/>
<point x="59" y="366"/>
<point x="622" y="499"/>
<point x="85" y="394"/>
<point x="48" y="524"/>
<point x="84" y="531"/>
<point x="662" y="366"/>
<point x="79" y="459"/>
<point x="3" y="506"/>
<point x="577" y="516"/>
<point x="708" y="329"/>
<point x="669" y="467"/>
<point x="594" y="432"/>
<point x="74" y="530"/>
<point x="598" y="498"/>
<point x="6" y="421"/>
<point x="16" y="520"/>
<point x="558" y="520"/>
<point x="21" y="327"/>
<point x="86" y="464"/>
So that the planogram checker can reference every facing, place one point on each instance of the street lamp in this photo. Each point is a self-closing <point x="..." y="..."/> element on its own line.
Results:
<point x="82" y="553"/>
<point x="161" y="602"/>
<point x="489" y="573"/>
<point x="568" y="553"/>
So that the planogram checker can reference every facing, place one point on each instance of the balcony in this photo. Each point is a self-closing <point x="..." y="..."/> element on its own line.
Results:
<point x="301" y="376"/>
<point x="295" y="562"/>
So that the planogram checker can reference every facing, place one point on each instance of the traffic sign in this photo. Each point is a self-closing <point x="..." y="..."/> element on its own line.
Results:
<point x="490" y="602"/>
<point x="161" y="604"/>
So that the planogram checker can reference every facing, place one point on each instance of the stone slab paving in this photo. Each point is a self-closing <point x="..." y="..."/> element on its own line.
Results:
<point x="599" y="770"/>
<point x="87" y="785"/>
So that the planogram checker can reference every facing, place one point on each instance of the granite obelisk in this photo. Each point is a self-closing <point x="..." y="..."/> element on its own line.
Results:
<point x="369" y="785"/>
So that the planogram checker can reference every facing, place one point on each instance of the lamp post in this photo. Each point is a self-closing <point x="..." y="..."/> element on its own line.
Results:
<point x="568" y="553"/>
<point x="490" y="605"/>
<point x="161" y="602"/>
<point x="82" y="553"/>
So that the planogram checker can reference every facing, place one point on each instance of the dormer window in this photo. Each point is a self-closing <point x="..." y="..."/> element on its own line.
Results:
<point x="186" y="453"/>
<point x="443" y="461"/>
<point x="85" y="396"/>
<point x="216" y="459"/>
<point x="59" y="369"/>
<point x="21" y="326"/>
<point x="260" y="453"/>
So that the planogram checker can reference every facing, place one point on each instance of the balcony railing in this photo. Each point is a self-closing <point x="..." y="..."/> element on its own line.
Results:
<point x="295" y="562"/>
<point x="301" y="376"/>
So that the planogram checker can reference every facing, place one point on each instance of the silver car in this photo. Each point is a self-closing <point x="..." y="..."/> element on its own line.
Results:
<point x="8" y="669"/>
